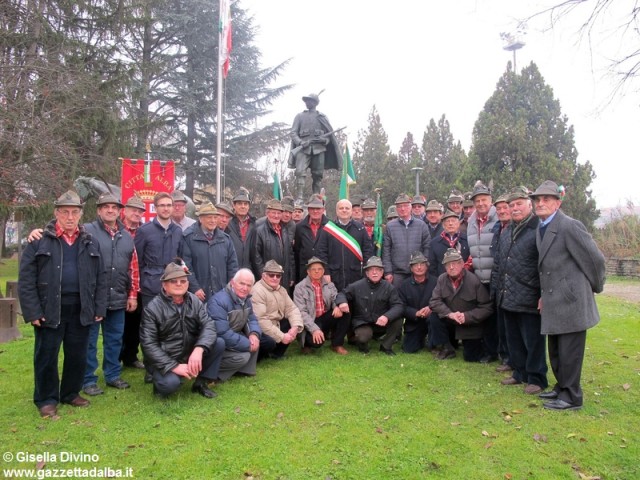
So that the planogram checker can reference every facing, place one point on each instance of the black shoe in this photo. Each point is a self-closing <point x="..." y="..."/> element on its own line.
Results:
<point x="446" y="354"/>
<point x="363" y="347"/>
<point x="200" y="386"/>
<point x="137" y="364"/>
<point x="148" y="378"/>
<point x="489" y="359"/>
<point x="119" y="384"/>
<point x="558" y="404"/>
<point x="552" y="395"/>
<point x="387" y="351"/>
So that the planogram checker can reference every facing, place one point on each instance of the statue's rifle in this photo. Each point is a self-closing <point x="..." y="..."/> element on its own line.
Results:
<point x="324" y="135"/>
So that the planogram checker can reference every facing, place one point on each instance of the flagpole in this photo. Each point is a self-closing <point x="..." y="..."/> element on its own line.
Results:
<point x="220" y="91"/>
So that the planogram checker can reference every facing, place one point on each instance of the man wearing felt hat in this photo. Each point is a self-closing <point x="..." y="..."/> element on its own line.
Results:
<point x="272" y="242"/>
<point x="450" y="237"/>
<point x="315" y="297"/>
<point x="278" y="316"/>
<point x="403" y="236"/>
<point x="314" y="144"/>
<point x="515" y="285"/>
<point x="209" y="254"/>
<point x="242" y="228"/>
<point x="307" y="235"/>
<point x="62" y="287"/>
<point x="179" y="212"/>
<point x="461" y="304"/>
<point x="178" y="338"/>
<point x="375" y="308"/>
<point x="415" y="293"/>
<point x="571" y="270"/>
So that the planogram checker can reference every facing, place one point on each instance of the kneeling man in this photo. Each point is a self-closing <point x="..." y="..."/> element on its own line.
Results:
<point x="462" y="302"/>
<point x="178" y="337"/>
<point x="316" y="299"/>
<point x="375" y="308"/>
<point x="237" y="325"/>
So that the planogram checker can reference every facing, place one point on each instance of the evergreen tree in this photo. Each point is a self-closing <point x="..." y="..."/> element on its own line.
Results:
<point x="444" y="159"/>
<point x="522" y="138"/>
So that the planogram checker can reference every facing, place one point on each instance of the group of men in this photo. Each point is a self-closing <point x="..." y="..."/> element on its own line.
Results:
<point x="207" y="298"/>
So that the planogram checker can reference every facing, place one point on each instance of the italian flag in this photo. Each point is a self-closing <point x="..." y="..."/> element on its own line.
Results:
<point x="225" y="36"/>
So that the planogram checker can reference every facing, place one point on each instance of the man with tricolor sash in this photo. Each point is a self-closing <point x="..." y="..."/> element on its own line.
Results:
<point x="344" y="246"/>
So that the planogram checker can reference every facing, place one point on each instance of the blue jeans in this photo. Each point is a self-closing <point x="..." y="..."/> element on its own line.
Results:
<point x="112" y="329"/>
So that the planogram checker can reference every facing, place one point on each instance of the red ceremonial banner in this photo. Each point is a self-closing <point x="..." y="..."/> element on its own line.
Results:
<point x="145" y="178"/>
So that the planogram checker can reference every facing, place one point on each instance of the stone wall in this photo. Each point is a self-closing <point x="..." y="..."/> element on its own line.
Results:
<point x="623" y="267"/>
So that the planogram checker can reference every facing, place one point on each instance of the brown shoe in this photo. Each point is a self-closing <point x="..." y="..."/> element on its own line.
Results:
<point x="79" y="402"/>
<point x="532" y="389"/>
<point x="49" y="410"/>
<point x="505" y="367"/>
<point x="510" y="381"/>
<point x="340" y="350"/>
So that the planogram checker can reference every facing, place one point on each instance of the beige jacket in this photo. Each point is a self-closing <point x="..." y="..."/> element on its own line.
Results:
<point x="271" y="306"/>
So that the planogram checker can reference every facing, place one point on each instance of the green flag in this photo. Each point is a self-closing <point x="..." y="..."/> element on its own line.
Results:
<point x="377" y="228"/>
<point x="348" y="175"/>
<point x="277" y="189"/>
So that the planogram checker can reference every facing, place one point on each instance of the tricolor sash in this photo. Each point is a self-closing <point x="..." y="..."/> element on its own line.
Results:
<point x="344" y="238"/>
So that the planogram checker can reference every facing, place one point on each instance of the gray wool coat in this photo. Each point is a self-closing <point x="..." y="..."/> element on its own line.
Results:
<point x="571" y="269"/>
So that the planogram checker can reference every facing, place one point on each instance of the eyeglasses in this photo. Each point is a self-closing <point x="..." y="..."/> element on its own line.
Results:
<point x="178" y="281"/>
<point x="274" y="275"/>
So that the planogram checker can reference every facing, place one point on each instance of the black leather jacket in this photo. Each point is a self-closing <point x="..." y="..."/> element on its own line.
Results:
<point x="169" y="334"/>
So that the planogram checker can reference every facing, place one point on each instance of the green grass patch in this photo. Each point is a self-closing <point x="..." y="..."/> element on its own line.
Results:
<point x="360" y="416"/>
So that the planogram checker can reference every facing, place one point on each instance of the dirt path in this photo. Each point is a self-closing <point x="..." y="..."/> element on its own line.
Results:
<point x="624" y="291"/>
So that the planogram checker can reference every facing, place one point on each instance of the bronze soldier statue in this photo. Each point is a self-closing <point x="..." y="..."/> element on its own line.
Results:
<point x="313" y="145"/>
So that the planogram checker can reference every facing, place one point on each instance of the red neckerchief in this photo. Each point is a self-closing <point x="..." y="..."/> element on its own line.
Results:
<point x="70" y="239"/>
<point x="369" y="229"/>
<point x="456" y="282"/>
<point x="451" y="241"/>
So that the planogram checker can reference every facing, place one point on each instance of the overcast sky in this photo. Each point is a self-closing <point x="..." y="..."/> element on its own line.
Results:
<point x="420" y="59"/>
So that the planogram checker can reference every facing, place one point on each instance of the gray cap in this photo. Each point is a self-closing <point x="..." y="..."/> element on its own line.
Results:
<point x="418" y="257"/>
<point x="241" y="195"/>
<point x="434" y="206"/>
<point x="175" y="269"/>
<point x="68" y="199"/>
<point x="135" y="202"/>
<point x="226" y="207"/>
<point x="548" y="187"/>
<point x="369" y="204"/>
<point x="455" y="196"/>
<point x="467" y="202"/>
<point x="501" y="199"/>
<point x="313" y="260"/>
<point x="274" y="204"/>
<point x="272" y="267"/>
<point x="107" y="198"/>
<point x="287" y="204"/>
<point x="392" y="212"/>
<point x="315" y="201"/>
<point x="178" y="196"/>
<point x="402" y="198"/>
<point x="451" y="255"/>
<point x="298" y="205"/>
<point x="374" y="262"/>
<point x="480" y="189"/>
<point x="449" y="214"/>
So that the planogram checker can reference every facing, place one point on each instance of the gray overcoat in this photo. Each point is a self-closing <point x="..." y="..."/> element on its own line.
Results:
<point x="571" y="269"/>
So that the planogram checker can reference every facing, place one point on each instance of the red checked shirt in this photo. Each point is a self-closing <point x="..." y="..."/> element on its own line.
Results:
<point x="314" y="228"/>
<point x="319" y="300"/>
<point x="70" y="239"/>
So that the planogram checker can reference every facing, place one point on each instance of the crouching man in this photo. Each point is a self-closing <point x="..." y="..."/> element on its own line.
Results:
<point x="461" y="302"/>
<point x="237" y="325"/>
<point x="375" y="307"/>
<point x="315" y="297"/>
<point x="178" y="337"/>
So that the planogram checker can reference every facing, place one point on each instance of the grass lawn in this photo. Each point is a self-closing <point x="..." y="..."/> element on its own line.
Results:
<point x="325" y="416"/>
